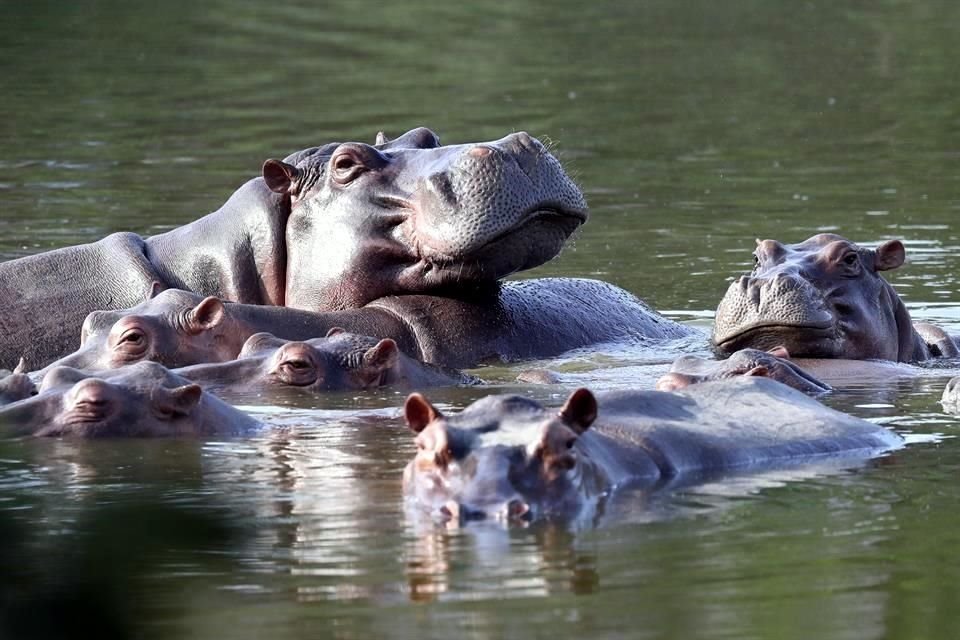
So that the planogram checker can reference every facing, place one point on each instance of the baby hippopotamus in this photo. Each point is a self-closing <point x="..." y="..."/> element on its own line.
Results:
<point x="139" y="400"/>
<point x="510" y="458"/>
<point x="338" y="362"/>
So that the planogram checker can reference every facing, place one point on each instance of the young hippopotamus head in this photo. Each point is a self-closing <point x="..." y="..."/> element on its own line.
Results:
<point x="340" y="361"/>
<point x="774" y="364"/>
<point x="503" y="457"/>
<point x="409" y="215"/>
<point x="822" y="298"/>
<point x="174" y="328"/>
<point x="144" y="399"/>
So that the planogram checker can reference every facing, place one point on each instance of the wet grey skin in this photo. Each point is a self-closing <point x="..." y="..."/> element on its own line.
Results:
<point x="328" y="228"/>
<point x="525" y="319"/>
<point x="825" y="298"/>
<point x="341" y="361"/>
<point x="508" y="458"/>
<point x="774" y="364"/>
<point x="140" y="400"/>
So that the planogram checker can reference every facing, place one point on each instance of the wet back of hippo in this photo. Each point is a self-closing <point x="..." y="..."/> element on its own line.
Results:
<point x="44" y="298"/>
<point x="738" y="424"/>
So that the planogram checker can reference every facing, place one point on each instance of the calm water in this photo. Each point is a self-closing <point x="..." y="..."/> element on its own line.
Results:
<point x="693" y="127"/>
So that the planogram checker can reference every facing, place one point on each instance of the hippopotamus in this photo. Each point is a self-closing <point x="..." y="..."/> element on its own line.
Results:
<point x="524" y="319"/>
<point x="825" y="298"/>
<point x="330" y="227"/>
<point x="508" y="457"/>
<point x="340" y="361"/>
<point x="139" y="400"/>
<point x="774" y="364"/>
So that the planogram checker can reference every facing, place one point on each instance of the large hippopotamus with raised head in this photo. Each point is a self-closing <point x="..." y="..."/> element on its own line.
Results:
<point x="331" y="227"/>
<point x="510" y="458"/>
<point x="141" y="400"/>
<point x="825" y="298"/>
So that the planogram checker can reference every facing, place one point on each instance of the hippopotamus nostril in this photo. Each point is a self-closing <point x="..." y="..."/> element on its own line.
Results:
<point x="480" y="151"/>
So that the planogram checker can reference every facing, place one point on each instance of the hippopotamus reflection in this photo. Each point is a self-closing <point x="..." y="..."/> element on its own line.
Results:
<point x="509" y="457"/>
<point x="529" y="318"/>
<point x="340" y="361"/>
<point x="330" y="227"/>
<point x="825" y="298"/>
<point x="143" y="399"/>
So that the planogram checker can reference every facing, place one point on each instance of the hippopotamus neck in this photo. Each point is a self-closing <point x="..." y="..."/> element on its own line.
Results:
<point x="236" y="253"/>
<point x="606" y="460"/>
<point x="911" y="345"/>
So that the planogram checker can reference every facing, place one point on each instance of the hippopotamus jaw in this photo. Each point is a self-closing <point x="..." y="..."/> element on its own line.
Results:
<point x="800" y="340"/>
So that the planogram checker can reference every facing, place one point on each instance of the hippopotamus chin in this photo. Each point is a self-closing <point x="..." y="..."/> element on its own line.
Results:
<point x="824" y="298"/>
<point x="509" y="458"/>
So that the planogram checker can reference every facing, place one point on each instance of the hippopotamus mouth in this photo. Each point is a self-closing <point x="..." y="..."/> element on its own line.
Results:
<point x="86" y="413"/>
<point x="542" y="230"/>
<point x="807" y="340"/>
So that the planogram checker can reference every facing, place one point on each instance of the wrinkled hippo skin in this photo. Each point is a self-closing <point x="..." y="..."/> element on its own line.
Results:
<point x="523" y="319"/>
<point x="774" y="364"/>
<point x="410" y="215"/>
<point x="341" y="361"/>
<point x="141" y="400"/>
<point x="825" y="298"/>
<point x="508" y="457"/>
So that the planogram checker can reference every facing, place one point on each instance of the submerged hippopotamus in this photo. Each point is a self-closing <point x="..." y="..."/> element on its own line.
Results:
<point x="140" y="400"/>
<point x="509" y="457"/>
<point x="825" y="298"/>
<point x="525" y="319"/>
<point x="330" y="227"/>
<point x="774" y="364"/>
<point x="340" y="361"/>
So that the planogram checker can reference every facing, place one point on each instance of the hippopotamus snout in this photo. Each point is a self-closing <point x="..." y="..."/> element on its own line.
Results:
<point x="475" y="198"/>
<point x="756" y="306"/>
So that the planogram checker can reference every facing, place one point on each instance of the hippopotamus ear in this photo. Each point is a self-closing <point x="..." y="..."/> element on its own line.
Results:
<point x="419" y="412"/>
<point x="281" y="177"/>
<point x="206" y="315"/>
<point x="179" y="401"/>
<point x="580" y="410"/>
<point x="889" y="255"/>
<point x="381" y="139"/>
<point x="382" y="355"/>
<point x="155" y="288"/>
<point x="21" y="366"/>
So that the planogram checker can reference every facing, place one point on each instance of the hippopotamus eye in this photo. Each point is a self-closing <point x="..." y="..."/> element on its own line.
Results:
<point x="132" y="338"/>
<point x="570" y="443"/>
<point x="351" y="160"/>
<point x="851" y="258"/>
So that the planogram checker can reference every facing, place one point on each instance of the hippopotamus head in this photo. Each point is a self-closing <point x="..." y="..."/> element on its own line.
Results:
<point x="174" y="328"/>
<point x="503" y="457"/>
<point x="821" y="298"/>
<point x="144" y="399"/>
<point x="411" y="216"/>
<point x="340" y="361"/>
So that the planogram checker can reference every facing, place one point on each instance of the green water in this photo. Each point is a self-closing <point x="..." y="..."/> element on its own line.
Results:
<point x="693" y="127"/>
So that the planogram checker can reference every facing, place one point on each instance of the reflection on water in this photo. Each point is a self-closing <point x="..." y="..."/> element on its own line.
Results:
<point x="693" y="128"/>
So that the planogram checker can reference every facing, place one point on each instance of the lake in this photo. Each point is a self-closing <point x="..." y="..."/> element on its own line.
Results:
<point x="693" y="128"/>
